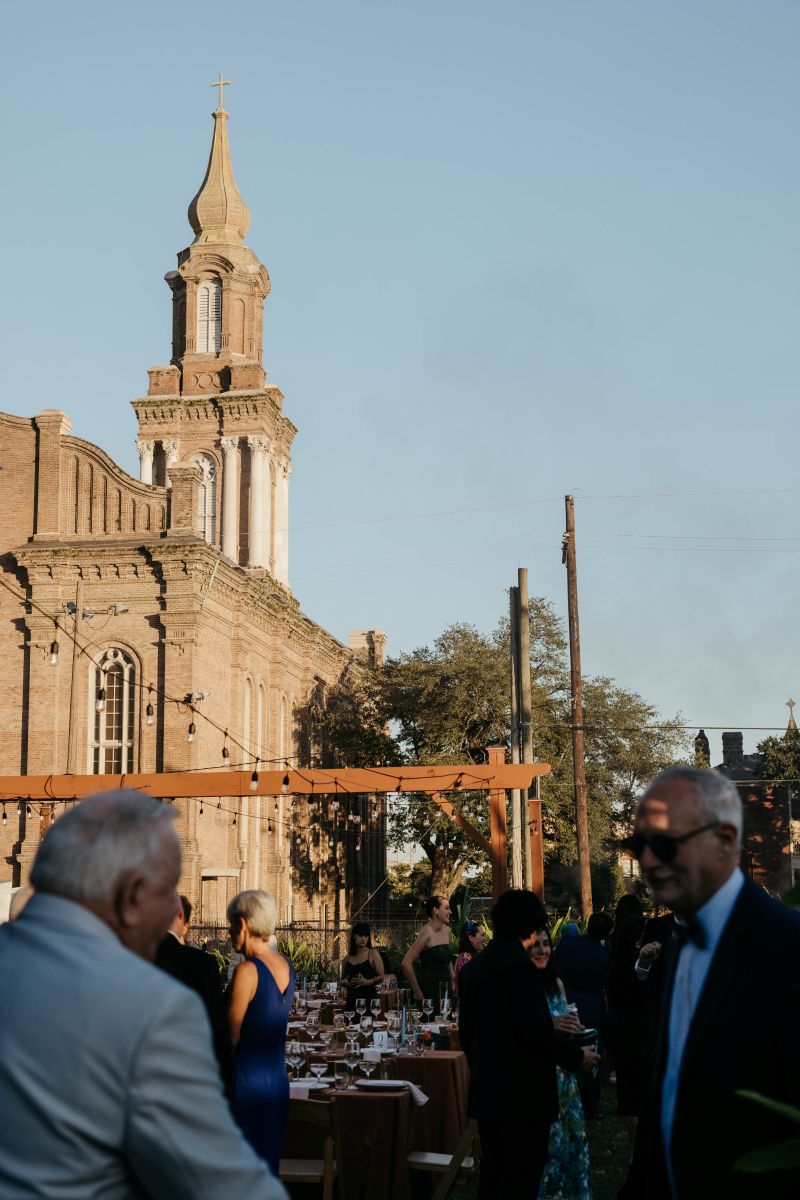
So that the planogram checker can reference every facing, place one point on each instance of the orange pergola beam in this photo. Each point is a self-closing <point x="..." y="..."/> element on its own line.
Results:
<point x="335" y="782"/>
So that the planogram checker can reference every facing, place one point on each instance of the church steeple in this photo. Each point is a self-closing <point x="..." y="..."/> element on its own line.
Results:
<point x="211" y="410"/>
<point x="218" y="213"/>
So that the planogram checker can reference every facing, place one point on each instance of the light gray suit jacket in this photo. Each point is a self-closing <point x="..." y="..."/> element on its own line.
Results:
<point x="109" y="1089"/>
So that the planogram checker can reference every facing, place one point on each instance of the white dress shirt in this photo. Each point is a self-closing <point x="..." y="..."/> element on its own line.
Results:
<point x="690" y="976"/>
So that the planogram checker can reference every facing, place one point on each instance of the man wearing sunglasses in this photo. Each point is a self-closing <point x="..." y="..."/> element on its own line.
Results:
<point x="731" y="998"/>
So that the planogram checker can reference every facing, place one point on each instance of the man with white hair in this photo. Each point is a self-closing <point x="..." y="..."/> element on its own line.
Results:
<point x="108" y="1083"/>
<point x="731" y="996"/>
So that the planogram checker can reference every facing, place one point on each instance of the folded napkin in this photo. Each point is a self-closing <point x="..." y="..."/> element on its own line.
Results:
<point x="298" y="1091"/>
<point x="417" y="1094"/>
<point x="371" y="1055"/>
<point x="315" y="1003"/>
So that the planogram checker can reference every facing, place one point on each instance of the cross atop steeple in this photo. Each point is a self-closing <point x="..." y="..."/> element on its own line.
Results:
<point x="220" y="83"/>
<point x="790" y="704"/>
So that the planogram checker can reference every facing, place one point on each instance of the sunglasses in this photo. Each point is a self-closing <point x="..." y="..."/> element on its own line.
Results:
<point x="662" y="845"/>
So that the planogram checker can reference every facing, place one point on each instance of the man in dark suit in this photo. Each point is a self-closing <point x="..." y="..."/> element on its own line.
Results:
<point x="200" y="972"/>
<point x="731" y="996"/>
<point x="507" y="1034"/>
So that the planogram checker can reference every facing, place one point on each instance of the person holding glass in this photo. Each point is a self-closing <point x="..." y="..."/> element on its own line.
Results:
<point x="427" y="965"/>
<point x="363" y="968"/>
<point x="566" y="1171"/>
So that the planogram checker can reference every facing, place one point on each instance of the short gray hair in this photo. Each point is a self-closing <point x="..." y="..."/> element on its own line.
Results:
<point x="85" y="853"/>
<point x="718" y="795"/>
<point x="259" y="910"/>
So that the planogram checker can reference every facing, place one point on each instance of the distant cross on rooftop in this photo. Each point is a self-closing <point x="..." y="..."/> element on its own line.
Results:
<point x="790" y="704"/>
<point x="220" y="83"/>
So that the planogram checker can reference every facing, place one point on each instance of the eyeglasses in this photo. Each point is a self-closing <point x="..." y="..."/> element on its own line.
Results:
<point x="662" y="845"/>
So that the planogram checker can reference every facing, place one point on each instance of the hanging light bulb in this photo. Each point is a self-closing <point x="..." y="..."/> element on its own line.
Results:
<point x="285" y="784"/>
<point x="100" y="702"/>
<point x="269" y="826"/>
<point x="27" y="810"/>
<point x="192" y="730"/>
<point x="201" y="808"/>
<point x="226" y="754"/>
<point x="254" y="782"/>
<point x="5" y="818"/>
<point x="53" y="660"/>
<point x="234" y="821"/>
<point x="150" y="715"/>
<point x="276" y="805"/>
<point x="41" y="816"/>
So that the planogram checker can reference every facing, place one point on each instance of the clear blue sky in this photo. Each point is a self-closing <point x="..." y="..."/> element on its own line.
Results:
<point x="516" y="249"/>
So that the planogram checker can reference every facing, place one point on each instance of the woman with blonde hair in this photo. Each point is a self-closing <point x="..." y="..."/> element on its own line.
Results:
<point x="258" y="1013"/>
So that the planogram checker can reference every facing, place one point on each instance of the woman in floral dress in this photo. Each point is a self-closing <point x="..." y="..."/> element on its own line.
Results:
<point x="566" y="1173"/>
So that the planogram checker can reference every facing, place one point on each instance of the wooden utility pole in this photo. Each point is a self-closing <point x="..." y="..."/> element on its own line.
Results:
<point x="578" y="757"/>
<point x="517" y="807"/>
<point x="532" y="848"/>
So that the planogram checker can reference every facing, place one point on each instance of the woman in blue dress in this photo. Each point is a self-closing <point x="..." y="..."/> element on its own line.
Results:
<point x="258" y="1013"/>
<point x="566" y="1173"/>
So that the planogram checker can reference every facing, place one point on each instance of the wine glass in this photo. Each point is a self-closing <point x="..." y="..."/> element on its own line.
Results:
<point x="326" y="1037"/>
<point x="349" y="1016"/>
<point x="427" y="1008"/>
<point x="338" y="1021"/>
<point x="351" y="1062"/>
<point x="361" y="1007"/>
<point x="375" y="1007"/>
<point x="415" y="1016"/>
<point x="318" y="1069"/>
<point x="366" y="1025"/>
<point x="368" y="1067"/>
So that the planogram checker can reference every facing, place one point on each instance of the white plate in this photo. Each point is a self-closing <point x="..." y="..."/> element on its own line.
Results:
<point x="310" y="1085"/>
<point x="384" y="1085"/>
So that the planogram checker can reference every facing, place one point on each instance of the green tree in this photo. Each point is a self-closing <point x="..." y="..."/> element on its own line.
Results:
<point x="448" y="701"/>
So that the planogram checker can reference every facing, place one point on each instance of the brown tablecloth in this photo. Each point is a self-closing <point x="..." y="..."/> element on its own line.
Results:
<point x="376" y="1139"/>
<point x="443" y="1076"/>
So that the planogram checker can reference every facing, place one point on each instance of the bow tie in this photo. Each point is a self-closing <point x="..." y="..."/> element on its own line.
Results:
<point x="689" y="931"/>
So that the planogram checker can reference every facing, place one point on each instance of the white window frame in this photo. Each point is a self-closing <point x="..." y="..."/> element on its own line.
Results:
<point x="112" y="754"/>
<point x="209" y="317"/>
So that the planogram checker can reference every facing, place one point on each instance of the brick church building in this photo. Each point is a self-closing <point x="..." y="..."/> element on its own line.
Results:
<point x="149" y="625"/>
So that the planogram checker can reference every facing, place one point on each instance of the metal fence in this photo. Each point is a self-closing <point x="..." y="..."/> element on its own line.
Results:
<point x="329" y="942"/>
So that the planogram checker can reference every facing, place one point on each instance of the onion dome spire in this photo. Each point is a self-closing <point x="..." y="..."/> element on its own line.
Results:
<point x="218" y="213"/>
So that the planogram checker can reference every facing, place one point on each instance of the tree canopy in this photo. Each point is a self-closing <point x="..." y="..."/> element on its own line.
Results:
<point x="446" y="702"/>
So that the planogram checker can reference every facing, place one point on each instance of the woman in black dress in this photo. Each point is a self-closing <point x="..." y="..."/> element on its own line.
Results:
<point x="363" y="967"/>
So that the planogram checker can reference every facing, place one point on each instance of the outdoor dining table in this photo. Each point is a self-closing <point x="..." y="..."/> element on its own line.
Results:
<point x="376" y="1130"/>
<point x="443" y="1076"/>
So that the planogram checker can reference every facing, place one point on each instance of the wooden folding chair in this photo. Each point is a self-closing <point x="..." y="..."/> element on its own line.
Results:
<point x="319" y="1115"/>
<point x="449" y="1166"/>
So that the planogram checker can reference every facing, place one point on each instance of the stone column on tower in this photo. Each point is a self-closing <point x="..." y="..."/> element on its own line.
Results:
<point x="145" y="449"/>
<point x="230" y="498"/>
<point x="171" y="448"/>
<point x="284" y="470"/>
<point x="258" y="550"/>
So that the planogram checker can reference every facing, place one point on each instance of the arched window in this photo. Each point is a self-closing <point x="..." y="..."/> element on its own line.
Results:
<point x="207" y="499"/>
<point x="209" y="316"/>
<point x="113" y="679"/>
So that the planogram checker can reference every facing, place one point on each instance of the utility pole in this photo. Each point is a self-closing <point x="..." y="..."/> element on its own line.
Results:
<point x="517" y="806"/>
<point x="532" y="850"/>
<point x="72" y="731"/>
<point x="578" y="758"/>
